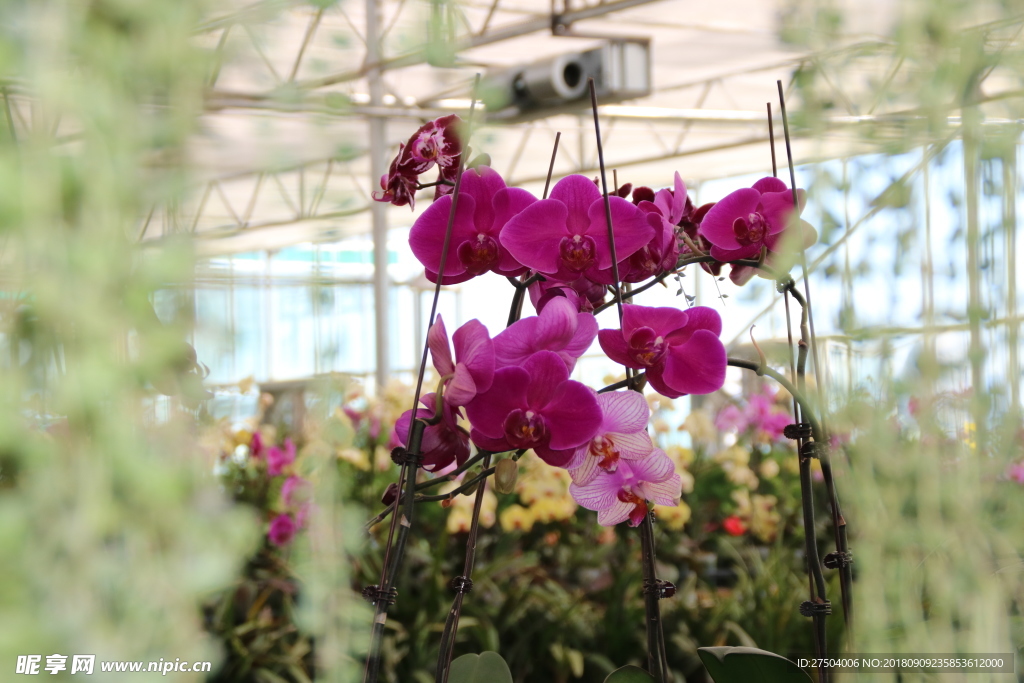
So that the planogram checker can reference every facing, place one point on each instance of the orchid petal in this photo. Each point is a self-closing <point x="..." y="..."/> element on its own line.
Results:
<point x="656" y="380"/>
<point x="630" y="226"/>
<point x="698" y="366"/>
<point x="426" y="238"/>
<point x="547" y="373"/>
<point x="487" y="412"/>
<point x="632" y="446"/>
<point x="584" y="473"/>
<point x="616" y="514"/>
<point x="770" y="184"/>
<point x="654" y="468"/>
<point x="615" y="347"/>
<point x="475" y="349"/>
<point x="553" y="457"/>
<point x="586" y="332"/>
<point x="665" y="492"/>
<point x="624" y="411"/>
<point x="461" y="388"/>
<point x="777" y="209"/>
<point x="440" y="352"/>
<point x="577" y="193"/>
<point x="599" y="494"/>
<point x="572" y="415"/>
<point x="486" y="443"/>
<point x="663" y="320"/>
<point x="532" y="236"/>
<point x="717" y="224"/>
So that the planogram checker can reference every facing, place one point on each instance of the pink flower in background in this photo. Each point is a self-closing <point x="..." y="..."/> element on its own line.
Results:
<point x="750" y="219"/>
<point x="436" y="142"/>
<point x="278" y="458"/>
<point x="443" y="443"/>
<point x="282" y="530"/>
<point x="485" y="206"/>
<point x="295" y="491"/>
<point x="623" y="494"/>
<point x="761" y="415"/>
<point x="582" y="293"/>
<point x="1015" y="472"/>
<point x="558" y="328"/>
<point x="536" y="406"/>
<point x="474" y="350"/>
<point x="256" y="445"/>
<point x="621" y="436"/>
<point x="566" y="236"/>
<point x="679" y="350"/>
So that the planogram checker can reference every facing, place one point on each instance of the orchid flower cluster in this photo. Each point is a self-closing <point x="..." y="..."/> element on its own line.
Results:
<point x="515" y="389"/>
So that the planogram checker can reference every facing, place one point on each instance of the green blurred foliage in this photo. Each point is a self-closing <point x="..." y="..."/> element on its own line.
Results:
<point x="111" y="528"/>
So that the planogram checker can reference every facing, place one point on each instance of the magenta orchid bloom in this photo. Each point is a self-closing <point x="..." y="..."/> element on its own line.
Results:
<point x="474" y="370"/>
<point x="279" y="458"/>
<point x="282" y="530"/>
<point x="536" y="406"/>
<point x="295" y="491"/>
<point x="750" y="219"/>
<point x="566" y="236"/>
<point x="583" y="294"/>
<point x="256" y="445"/>
<point x="443" y="443"/>
<point x="679" y="350"/>
<point x="435" y="142"/>
<point x="621" y="436"/>
<point x="623" y="494"/>
<point x="662" y="252"/>
<point x="485" y="206"/>
<point x="558" y="328"/>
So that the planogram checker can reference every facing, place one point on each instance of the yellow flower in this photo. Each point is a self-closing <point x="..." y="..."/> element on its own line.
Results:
<point x="764" y="517"/>
<point x="735" y="454"/>
<point x="459" y="520"/>
<point x="516" y="517"/>
<point x="682" y="457"/>
<point x="355" y="457"/>
<point x="742" y="499"/>
<point x="769" y="469"/>
<point x="700" y="427"/>
<point x="741" y="475"/>
<point x="553" y="509"/>
<point x="462" y="508"/>
<point x="674" y="517"/>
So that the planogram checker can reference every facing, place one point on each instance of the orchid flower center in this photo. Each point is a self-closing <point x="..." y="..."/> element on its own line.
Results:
<point x="428" y="146"/>
<point x="646" y="261"/>
<point x="525" y="429"/>
<point x="639" y="511"/>
<point x="603" y="447"/>
<point x="750" y="230"/>
<point x="646" y="347"/>
<point x="478" y="255"/>
<point x="578" y="252"/>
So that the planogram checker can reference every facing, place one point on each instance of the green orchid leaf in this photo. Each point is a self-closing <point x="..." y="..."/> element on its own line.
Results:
<point x="486" y="667"/>
<point x="749" y="665"/>
<point x="629" y="674"/>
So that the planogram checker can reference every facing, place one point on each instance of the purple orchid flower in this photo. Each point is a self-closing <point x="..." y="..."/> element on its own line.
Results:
<point x="278" y="458"/>
<point x="582" y="293"/>
<point x="558" y="328"/>
<point x="442" y="443"/>
<point x="435" y="142"/>
<point x="566" y="236"/>
<point x="750" y="219"/>
<point x="680" y="350"/>
<point x="621" y="436"/>
<point x="660" y="254"/>
<point x="282" y="530"/>
<point x="485" y="206"/>
<point x="474" y="370"/>
<point x="536" y="406"/>
<point x="623" y="494"/>
<point x="760" y="414"/>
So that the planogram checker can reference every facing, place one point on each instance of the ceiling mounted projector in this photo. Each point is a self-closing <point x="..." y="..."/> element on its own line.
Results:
<point x="621" y="69"/>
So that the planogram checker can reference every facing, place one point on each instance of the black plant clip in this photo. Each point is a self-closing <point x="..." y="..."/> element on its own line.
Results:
<point x="462" y="584"/>
<point x="813" y="609"/>
<point x="400" y="456"/>
<point x="799" y="430"/>
<point x="663" y="589"/>
<point x="374" y="594"/>
<point x="838" y="559"/>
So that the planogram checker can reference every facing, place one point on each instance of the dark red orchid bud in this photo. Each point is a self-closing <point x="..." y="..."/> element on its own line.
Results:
<point x="624" y="191"/>
<point x="390" y="494"/>
<point x="643" y="194"/>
